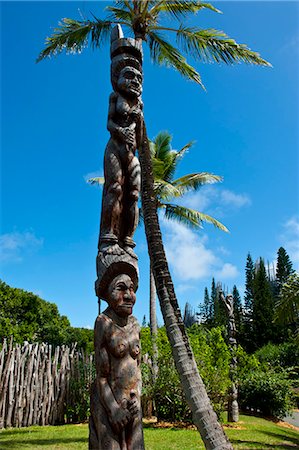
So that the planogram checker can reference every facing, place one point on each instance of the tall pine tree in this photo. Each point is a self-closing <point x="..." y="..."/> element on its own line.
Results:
<point x="238" y="311"/>
<point x="245" y="338"/>
<point x="284" y="267"/>
<point x="206" y="310"/>
<point x="219" y="308"/>
<point x="248" y="294"/>
<point x="262" y="309"/>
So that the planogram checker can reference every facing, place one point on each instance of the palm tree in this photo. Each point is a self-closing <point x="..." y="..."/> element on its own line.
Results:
<point x="142" y="17"/>
<point x="165" y="161"/>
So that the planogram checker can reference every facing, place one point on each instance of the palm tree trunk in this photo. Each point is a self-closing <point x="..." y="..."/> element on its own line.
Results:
<point x="204" y="416"/>
<point x="153" y="326"/>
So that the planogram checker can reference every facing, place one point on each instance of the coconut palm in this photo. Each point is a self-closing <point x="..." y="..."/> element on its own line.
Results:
<point x="143" y="19"/>
<point x="165" y="162"/>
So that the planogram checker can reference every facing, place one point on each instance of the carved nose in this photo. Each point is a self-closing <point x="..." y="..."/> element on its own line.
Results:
<point x="127" y="294"/>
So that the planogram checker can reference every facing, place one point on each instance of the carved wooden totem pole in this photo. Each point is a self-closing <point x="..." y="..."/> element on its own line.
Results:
<point x="233" y="407"/>
<point x="115" y="421"/>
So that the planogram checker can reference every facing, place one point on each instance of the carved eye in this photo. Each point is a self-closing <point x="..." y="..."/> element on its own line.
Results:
<point x="129" y="75"/>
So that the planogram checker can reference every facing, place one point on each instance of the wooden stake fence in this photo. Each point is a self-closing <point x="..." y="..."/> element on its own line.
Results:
<point x="35" y="384"/>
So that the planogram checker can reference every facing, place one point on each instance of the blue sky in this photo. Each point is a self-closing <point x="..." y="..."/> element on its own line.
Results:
<point x="53" y="121"/>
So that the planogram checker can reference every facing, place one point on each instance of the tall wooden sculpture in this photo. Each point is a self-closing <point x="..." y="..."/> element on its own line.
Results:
<point x="233" y="407"/>
<point x="115" y="421"/>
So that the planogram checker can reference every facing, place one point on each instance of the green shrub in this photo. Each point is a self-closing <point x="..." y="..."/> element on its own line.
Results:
<point x="212" y="356"/>
<point x="267" y="393"/>
<point x="78" y="401"/>
<point x="168" y="395"/>
<point x="282" y="355"/>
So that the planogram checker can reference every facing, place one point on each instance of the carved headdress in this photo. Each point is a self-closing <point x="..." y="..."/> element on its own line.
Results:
<point x="124" y="52"/>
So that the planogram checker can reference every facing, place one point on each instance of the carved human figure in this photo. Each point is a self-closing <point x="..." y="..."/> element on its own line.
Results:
<point x="121" y="166"/>
<point x="233" y="408"/>
<point x="116" y="421"/>
<point x="229" y="307"/>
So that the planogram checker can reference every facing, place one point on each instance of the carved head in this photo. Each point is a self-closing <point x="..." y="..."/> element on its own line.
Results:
<point x="129" y="82"/>
<point x="121" y="296"/>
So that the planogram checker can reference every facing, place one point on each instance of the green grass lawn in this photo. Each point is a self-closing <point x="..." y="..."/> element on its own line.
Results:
<point x="251" y="433"/>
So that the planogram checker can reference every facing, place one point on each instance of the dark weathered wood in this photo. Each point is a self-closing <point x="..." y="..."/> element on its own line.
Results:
<point x="232" y="406"/>
<point x="34" y="384"/>
<point x="115" y="420"/>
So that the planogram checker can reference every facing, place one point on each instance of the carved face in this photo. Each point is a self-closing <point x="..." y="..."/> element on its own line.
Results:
<point x="121" y="295"/>
<point x="130" y="81"/>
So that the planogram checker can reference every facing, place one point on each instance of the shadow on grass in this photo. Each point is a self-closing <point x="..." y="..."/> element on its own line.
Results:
<point x="291" y="436"/>
<point x="255" y="445"/>
<point x="14" y="431"/>
<point x="18" y="443"/>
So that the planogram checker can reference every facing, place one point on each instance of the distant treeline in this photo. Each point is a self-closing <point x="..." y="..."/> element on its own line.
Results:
<point x="27" y="317"/>
<point x="255" y="316"/>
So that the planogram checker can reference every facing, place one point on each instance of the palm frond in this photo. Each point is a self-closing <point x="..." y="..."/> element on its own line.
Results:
<point x="164" y="158"/>
<point x="215" y="46"/>
<point x="162" y="144"/>
<point x="190" y="217"/>
<point x="120" y="14"/>
<point x="165" y="191"/>
<point x="163" y="53"/>
<point x="96" y="181"/>
<point x="181" y="153"/>
<point x="72" y="36"/>
<point x="158" y="168"/>
<point x="180" y="9"/>
<point x="194" y="181"/>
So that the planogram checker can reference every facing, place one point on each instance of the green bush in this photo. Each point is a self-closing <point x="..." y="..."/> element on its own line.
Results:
<point x="212" y="357"/>
<point x="168" y="395"/>
<point x="267" y="393"/>
<point x="282" y="355"/>
<point x="78" y="402"/>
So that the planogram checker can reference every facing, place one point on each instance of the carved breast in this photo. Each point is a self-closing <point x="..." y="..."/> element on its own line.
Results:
<point x="118" y="344"/>
<point x="134" y="348"/>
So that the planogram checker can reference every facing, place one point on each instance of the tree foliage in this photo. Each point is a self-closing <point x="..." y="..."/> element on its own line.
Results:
<point x="149" y="21"/>
<point x="287" y="304"/>
<point x="27" y="317"/>
<point x="284" y="267"/>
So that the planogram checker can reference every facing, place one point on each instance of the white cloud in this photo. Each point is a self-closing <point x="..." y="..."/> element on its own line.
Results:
<point x="190" y="257"/>
<point x="183" y="287"/>
<point x="227" y="271"/>
<point x="290" y="239"/>
<point x="229" y="198"/>
<point x="215" y="198"/>
<point x="13" y="245"/>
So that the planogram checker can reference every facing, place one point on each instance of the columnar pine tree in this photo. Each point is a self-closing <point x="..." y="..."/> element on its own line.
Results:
<point x="206" y="309"/>
<point x="219" y="308"/>
<point x="238" y="310"/>
<point x="189" y="316"/>
<point x="245" y="339"/>
<point x="213" y="301"/>
<point x="263" y="308"/>
<point x="284" y="267"/>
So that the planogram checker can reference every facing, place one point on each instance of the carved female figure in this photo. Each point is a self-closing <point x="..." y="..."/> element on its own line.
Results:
<point x="116" y="421"/>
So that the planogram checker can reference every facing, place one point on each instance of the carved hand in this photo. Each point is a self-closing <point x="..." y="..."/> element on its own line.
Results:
<point x="129" y="133"/>
<point x="119" y="418"/>
<point x="133" y="405"/>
